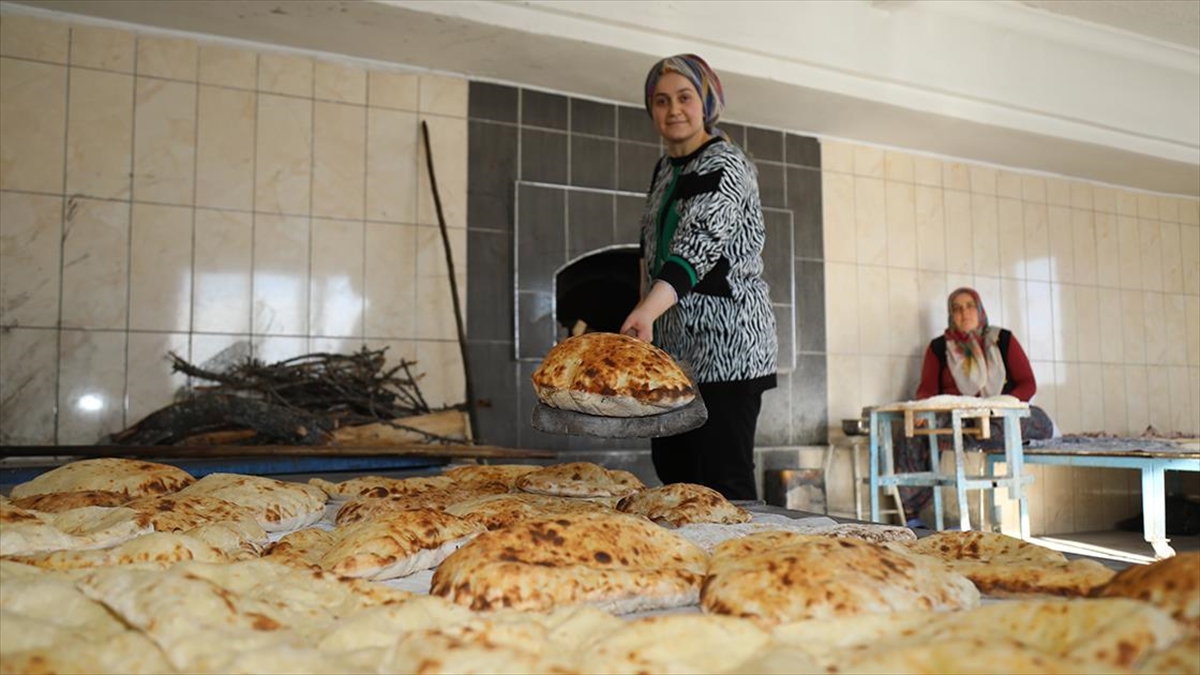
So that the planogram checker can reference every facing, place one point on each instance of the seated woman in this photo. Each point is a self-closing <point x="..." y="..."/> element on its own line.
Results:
<point x="971" y="358"/>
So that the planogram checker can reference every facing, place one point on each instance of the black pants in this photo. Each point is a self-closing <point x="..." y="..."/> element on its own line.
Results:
<point x="719" y="454"/>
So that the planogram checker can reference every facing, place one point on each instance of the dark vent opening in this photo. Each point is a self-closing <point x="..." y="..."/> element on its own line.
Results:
<point x="597" y="292"/>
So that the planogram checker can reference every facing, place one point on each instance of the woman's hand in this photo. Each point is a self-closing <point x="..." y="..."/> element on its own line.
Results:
<point x="640" y="322"/>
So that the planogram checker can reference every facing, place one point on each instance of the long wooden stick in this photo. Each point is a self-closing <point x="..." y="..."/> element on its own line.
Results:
<point x="458" y="319"/>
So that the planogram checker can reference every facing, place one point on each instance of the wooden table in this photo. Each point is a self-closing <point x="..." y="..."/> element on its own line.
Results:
<point x="960" y="408"/>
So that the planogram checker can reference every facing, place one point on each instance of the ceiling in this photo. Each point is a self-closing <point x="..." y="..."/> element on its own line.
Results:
<point x="1103" y="91"/>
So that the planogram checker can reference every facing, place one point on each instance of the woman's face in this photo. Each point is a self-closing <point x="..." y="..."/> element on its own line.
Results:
<point x="678" y="110"/>
<point x="964" y="312"/>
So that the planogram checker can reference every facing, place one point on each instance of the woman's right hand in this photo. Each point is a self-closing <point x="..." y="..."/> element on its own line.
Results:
<point x="639" y="325"/>
<point x="640" y="322"/>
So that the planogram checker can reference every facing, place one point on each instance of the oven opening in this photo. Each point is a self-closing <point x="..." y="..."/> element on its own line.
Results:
<point x="597" y="291"/>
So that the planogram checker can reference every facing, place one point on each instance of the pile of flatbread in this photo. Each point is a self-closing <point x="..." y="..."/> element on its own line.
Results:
<point x="611" y="375"/>
<point x="122" y="566"/>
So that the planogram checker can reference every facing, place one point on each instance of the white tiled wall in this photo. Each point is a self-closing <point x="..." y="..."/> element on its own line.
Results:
<point x="164" y="194"/>
<point x="1101" y="286"/>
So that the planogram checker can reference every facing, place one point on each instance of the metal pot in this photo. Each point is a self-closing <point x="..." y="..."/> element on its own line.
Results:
<point x="855" y="427"/>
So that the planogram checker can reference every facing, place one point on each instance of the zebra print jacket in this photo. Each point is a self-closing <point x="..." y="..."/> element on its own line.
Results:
<point x="703" y="232"/>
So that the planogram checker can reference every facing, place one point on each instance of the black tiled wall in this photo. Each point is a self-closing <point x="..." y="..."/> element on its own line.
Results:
<point x="592" y="162"/>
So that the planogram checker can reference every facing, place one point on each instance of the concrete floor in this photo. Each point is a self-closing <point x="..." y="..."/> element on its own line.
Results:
<point x="1116" y="545"/>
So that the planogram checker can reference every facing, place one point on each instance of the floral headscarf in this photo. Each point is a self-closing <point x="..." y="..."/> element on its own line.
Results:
<point x="700" y="75"/>
<point x="974" y="356"/>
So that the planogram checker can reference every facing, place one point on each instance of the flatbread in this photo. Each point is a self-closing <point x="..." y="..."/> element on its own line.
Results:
<point x="182" y="512"/>
<point x="614" y="561"/>
<point x="133" y="478"/>
<point x="496" y="511"/>
<point x="488" y="473"/>
<point x="1172" y="584"/>
<point x="157" y="549"/>
<point x="678" y="504"/>
<point x="25" y="532"/>
<point x="1004" y="566"/>
<point x="872" y="532"/>
<point x="380" y="486"/>
<point x="579" y="479"/>
<point x="302" y="548"/>
<point x="611" y="375"/>
<point x="777" y="577"/>
<point x="56" y="502"/>
<point x="397" y="544"/>
<point x="675" y="643"/>
<point x="370" y="508"/>
<point x="278" y="506"/>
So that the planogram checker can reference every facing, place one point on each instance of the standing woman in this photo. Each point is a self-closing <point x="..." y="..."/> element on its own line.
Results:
<point x="707" y="305"/>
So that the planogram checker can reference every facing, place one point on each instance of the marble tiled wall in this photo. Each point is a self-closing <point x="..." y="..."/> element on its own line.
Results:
<point x="167" y="194"/>
<point x="1100" y="284"/>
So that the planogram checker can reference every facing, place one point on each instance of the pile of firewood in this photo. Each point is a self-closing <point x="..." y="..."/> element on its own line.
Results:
<point x="314" y="399"/>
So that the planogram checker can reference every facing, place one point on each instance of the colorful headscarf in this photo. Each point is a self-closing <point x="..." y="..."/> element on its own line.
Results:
<point x="700" y="75"/>
<point x="974" y="356"/>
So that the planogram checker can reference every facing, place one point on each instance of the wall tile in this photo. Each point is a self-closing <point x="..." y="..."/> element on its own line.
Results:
<point x="590" y="222"/>
<point x="1150" y="250"/>
<point x="872" y="302"/>
<point x="735" y="133"/>
<point x="536" y="329"/>
<point x="593" y="162"/>
<point x="1081" y="196"/>
<point x="764" y="145"/>
<point x="1168" y="209"/>
<point x="868" y="161"/>
<point x="1176" y="328"/>
<point x="391" y="281"/>
<point x="870" y="219"/>
<point x="95" y="264"/>
<point x="1181" y="401"/>
<point x="335" y="294"/>
<point x="1011" y="223"/>
<point x="1062" y="244"/>
<point x="810" y="306"/>
<point x="802" y="151"/>
<point x="1189" y="249"/>
<point x="1038" y="339"/>
<point x="1108" y="250"/>
<point x="1058" y="192"/>
<point x="1038" y="264"/>
<point x="543" y="156"/>
<point x="1147" y="206"/>
<point x="29" y="37"/>
<point x="842" y="308"/>
<point x="633" y="124"/>
<point x="151" y="382"/>
<point x="493" y="379"/>
<point x="808" y="386"/>
<point x="1014" y="302"/>
<point x="1008" y="185"/>
<point x="448" y="137"/>
<point x="956" y="176"/>
<point x="541" y="109"/>
<point x="904" y="330"/>
<point x="30" y="235"/>
<point x="1135" y="396"/>
<point x="901" y="239"/>
<point x="927" y="171"/>
<point x="99" y="134"/>
<point x="775" y="419"/>
<point x="284" y="155"/>
<point x="985" y="235"/>
<point x="930" y="228"/>
<point x="1130" y="251"/>
<point x="28" y="379"/>
<point x="539" y="252"/>
<point x="172" y="58"/>
<point x="898" y="166"/>
<point x="91" y="385"/>
<point x="391" y="180"/>
<point x="1083" y="230"/>
<point x="635" y="165"/>
<point x="1189" y="212"/>
<point x="1112" y="348"/>
<point x="839" y="228"/>
<point x="444" y="383"/>
<point x="339" y="145"/>
<point x="1133" y="327"/>
<point x="1066" y="326"/>
<point x="805" y="200"/>
<point x="1172" y="257"/>
<point x="487" y="101"/>
<point x="228" y="66"/>
<point x="1158" y="400"/>
<point x="442" y="95"/>
<point x="393" y="90"/>
<point x="339" y="82"/>
<point x="772" y="189"/>
<point x="1192" y="315"/>
<point x="837" y="157"/>
<point x="629" y="219"/>
<point x="1127" y="203"/>
<point x="1091" y="396"/>
<point x="285" y="74"/>
<point x="593" y="117"/>
<point x="845" y="398"/>
<point x="491" y="172"/>
<point x="489" y="307"/>
<point x="1104" y="199"/>
<point x="281" y="275"/>
<point x="160" y="268"/>
<point x="221" y="289"/>
<point x="1033" y="188"/>
<point x="225" y="149"/>
<point x="1153" y="331"/>
<point x="275" y="348"/>
<point x="983" y="180"/>
<point x="102" y="48"/>
<point x="932" y="289"/>
<point x="1087" y="316"/>
<point x="33" y="104"/>
<point x="1068" y="411"/>
<point x="164" y="143"/>
<point x="960" y="247"/>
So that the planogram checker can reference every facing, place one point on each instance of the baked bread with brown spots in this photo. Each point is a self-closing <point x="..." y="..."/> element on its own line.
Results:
<point x="678" y="504"/>
<point x="778" y="577"/>
<point x="614" y="561"/>
<point x="496" y="511"/>
<point x="130" y="477"/>
<point x="57" y="502"/>
<point x="396" y="544"/>
<point x="579" y="479"/>
<point x="278" y="506"/>
<point x="1172" y="583"/>
<point x="613" y="376"/>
